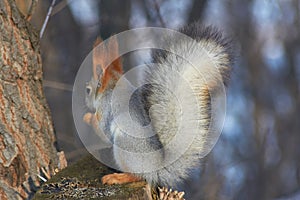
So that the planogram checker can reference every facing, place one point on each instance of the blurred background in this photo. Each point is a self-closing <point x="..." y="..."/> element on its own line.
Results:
<point x="258" y="153"/>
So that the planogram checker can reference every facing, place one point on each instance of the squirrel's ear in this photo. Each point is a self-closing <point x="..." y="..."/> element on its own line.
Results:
<point x="103" y="55"/>
<point x="112" y="72"/>
<point x="99" y="55"/>
<point x="113" y="53"/>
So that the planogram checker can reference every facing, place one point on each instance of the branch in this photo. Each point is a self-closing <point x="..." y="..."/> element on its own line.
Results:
<point x="160" y="18"/>
<point x="47" y="18"/>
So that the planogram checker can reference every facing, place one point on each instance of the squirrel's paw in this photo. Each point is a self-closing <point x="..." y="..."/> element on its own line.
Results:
<point x="92" y="119"/>
<point x="87" y="118"/>
<point x="119" y="178"/>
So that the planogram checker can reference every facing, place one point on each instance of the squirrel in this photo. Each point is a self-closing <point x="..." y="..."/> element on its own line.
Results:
<point x="155" y="105"/>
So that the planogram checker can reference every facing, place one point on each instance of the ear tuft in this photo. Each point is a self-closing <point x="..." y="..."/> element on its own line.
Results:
<point x="113" y="49"/>
<point x="98" y="55"/>
<point x="104" y="69"/>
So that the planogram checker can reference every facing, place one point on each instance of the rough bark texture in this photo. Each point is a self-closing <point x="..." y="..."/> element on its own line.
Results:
<point x="26" y="132"/>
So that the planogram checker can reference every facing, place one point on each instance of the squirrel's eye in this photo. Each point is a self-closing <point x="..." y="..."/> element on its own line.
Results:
<point x="88" y="90"/>
<point x="99" y="85"/>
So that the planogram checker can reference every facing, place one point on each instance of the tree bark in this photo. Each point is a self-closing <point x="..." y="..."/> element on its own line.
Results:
<point x="27" y="141"/>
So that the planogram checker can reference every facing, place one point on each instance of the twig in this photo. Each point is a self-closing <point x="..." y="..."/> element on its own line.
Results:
<point x="61" y="5"/>
<point x="161" y="20"/>
<point x="42" y="178"/>
<point x="31" y="9"/>
<point x="47" y="18"/>
<point x="57" y="85"/>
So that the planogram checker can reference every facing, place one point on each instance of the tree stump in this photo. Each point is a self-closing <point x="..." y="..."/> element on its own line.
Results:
<point x="83" y="181"/>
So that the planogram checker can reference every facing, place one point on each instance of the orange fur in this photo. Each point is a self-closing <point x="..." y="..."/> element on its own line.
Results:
<point x="119" y="178"/>
<point x="102" y="55"/>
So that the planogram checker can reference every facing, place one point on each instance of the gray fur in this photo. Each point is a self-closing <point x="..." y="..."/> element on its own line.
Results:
<point x="155" y="105"/>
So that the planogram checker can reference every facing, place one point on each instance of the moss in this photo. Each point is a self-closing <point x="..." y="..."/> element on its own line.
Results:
<point x="83" y="181"/>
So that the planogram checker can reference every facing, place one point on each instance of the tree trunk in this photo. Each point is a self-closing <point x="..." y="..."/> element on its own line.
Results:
<point x="27" y="141"/>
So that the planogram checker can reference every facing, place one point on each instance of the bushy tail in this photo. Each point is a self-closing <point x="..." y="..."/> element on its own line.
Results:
<point x="184" y="98"/>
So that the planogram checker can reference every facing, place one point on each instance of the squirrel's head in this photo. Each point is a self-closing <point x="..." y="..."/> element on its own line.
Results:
<point x="105" y="72"/>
